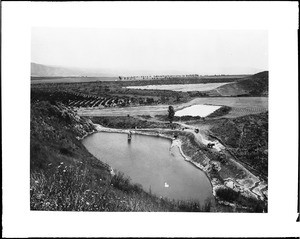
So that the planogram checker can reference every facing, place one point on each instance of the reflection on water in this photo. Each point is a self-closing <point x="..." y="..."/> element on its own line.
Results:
<point x="150" y="162"/>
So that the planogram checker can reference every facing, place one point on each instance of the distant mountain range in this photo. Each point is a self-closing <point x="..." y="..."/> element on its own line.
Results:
<point x="40" y="70"/>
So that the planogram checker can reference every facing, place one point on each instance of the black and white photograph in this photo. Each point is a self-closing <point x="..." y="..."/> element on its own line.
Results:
<point x="150" y="119"/>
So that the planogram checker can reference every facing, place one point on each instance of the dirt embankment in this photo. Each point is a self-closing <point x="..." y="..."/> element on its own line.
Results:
<point x="224" y="172"/>
<point x="239" y="157"/>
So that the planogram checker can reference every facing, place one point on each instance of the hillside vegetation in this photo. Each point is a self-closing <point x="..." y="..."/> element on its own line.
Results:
<point x="255" y="85"/>
<point x="247" y="139"/>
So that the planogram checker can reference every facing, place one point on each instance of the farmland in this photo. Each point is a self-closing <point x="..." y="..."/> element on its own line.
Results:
<point x="239" y="106"/>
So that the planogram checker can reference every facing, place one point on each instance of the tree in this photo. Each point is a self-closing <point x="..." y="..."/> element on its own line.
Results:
<point x="171" y="114"/>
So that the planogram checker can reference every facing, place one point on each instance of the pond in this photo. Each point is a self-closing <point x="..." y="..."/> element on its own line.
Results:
<point x="149" y="161"/>
<point x="181" y="87"/>
<point x="197" y="110"/>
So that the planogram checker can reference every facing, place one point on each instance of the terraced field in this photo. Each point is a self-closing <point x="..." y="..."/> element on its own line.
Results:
<point x="98" y="102"/>
<point x="79" y="100"/>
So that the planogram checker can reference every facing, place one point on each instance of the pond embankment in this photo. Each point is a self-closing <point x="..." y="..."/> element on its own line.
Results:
<point x="152" y="162"/>
<point x="224" y="173"/>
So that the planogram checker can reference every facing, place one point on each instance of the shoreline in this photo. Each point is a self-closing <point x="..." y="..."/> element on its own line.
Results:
<point x="174" y="142"/>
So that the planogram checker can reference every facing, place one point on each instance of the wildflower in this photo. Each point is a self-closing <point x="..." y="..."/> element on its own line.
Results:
<point x="61" y="163"/>
<point x="87" y="203"/>
<point x="64" y="170"/>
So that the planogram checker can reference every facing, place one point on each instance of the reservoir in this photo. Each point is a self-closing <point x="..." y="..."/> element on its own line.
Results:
<point x="149" y="161"/>
<point x="197" y="110"/>
<point x="181" y="87"/>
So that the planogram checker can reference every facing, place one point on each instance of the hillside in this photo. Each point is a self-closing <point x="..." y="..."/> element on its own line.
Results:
<point x="255" y="85"/>
<point x="247" y="139"/>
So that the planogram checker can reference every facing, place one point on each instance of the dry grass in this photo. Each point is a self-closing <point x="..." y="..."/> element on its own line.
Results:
<point x="74" y="189"/>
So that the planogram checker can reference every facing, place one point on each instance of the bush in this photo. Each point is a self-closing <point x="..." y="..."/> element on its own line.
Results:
<point x="122" y="182"/>
<point x="194" y="206"/>
<point x="227" y="194"/>
<point x="65" y="151"/>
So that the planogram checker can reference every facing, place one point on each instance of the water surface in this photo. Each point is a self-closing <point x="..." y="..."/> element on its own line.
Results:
<point x="181" y="87"/>
<point x="197" y="110"/>
<point x="149" y="161"/>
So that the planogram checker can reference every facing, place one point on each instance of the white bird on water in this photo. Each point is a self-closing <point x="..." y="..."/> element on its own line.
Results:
<point x="166" y="185"/>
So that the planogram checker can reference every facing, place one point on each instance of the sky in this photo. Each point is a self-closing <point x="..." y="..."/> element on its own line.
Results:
<point x="152" y="51"/>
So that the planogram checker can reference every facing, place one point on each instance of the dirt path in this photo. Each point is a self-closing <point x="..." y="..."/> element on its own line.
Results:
<point x="250" y="182"/>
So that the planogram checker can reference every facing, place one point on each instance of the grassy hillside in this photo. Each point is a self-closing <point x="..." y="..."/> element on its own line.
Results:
<point x="247" y="139"/>
<point x="255" y="85"/>
<point x="65" y="176"/>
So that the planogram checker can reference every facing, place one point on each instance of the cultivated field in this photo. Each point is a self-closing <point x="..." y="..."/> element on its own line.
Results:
<point x="240" y="106"/>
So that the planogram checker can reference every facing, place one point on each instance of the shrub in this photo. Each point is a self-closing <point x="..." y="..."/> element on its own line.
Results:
<point x="227" y="194"/>
<point x="194" y="206"/>
<point x="122" y="182"/>
<point x="65" y="151"/>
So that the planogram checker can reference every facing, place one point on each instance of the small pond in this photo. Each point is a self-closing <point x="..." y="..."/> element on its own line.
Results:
<point x="149" y="161"/>
<point x="197" y="110"/>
